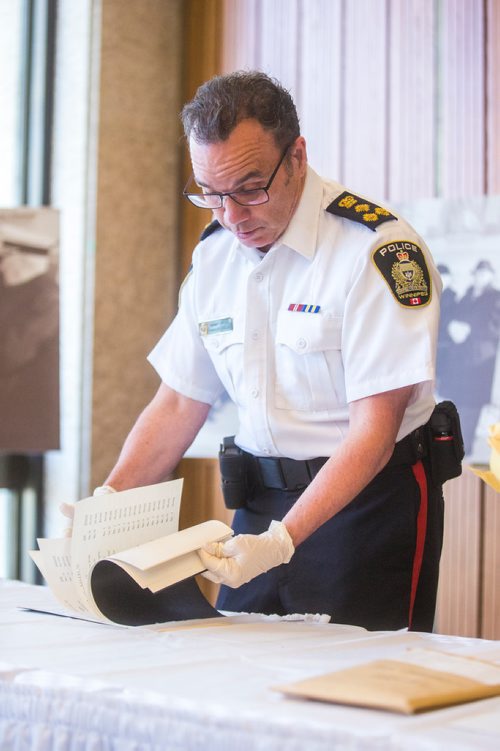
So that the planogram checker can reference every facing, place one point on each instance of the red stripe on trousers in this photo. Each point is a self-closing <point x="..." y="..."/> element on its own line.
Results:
<point x="420" y="477"/>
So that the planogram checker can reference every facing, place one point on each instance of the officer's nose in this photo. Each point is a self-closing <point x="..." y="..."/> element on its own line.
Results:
<point x="234" y="212"/>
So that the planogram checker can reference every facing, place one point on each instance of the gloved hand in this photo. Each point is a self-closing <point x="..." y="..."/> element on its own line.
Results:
<point x="242" y="558"/>
<point x="68" y="509"/>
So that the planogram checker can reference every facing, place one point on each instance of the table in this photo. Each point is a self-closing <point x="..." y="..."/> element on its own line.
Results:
<point x="73" y="685"/>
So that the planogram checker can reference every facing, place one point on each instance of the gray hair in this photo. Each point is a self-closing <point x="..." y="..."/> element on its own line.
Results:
<point x="224" y="101"/>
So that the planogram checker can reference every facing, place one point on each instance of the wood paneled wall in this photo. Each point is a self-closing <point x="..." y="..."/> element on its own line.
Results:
<point x="489" y="626"/>
<point x="202" y="60"/>
<point x="399" y="99"/>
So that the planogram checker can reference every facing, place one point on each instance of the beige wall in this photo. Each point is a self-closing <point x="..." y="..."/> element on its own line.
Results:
<point x="136" y="244"/>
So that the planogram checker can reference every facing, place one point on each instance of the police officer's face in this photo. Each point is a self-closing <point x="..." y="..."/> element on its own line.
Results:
<point x="246" y="161"/>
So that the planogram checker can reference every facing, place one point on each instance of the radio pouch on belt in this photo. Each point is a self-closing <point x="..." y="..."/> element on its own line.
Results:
<point x="233" y="474"/>
<point x="445" y="442"/>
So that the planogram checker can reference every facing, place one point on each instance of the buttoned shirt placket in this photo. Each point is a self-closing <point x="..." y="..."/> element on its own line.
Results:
<point x="258" y="350"/>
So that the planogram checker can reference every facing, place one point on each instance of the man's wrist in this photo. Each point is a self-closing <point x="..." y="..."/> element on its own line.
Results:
<point x="280" y="532"/>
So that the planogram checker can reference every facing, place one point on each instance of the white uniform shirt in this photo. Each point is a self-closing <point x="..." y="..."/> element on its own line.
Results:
<point x="290" y="373"/>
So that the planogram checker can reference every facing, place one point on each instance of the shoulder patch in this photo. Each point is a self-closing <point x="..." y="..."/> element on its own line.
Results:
<point x="403" y="266"/>
<point x="209" y="229"/>
<point x="358" y="209"/>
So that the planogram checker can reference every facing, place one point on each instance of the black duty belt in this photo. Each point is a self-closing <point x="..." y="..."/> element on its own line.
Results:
<point x="277" y="473"/>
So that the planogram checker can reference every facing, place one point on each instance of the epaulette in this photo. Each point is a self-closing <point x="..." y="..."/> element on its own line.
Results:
<point x="360" y="210"/>
<point x="209" y="229"/>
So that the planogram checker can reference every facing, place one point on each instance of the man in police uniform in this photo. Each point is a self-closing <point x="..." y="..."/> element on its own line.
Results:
<point x="317" y="311"/>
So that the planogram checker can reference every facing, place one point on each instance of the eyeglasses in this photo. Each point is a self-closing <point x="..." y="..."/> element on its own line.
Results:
<point x="253" y="197"/>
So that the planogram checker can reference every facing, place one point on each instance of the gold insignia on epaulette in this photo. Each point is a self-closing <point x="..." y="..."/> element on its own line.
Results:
<point x="403" y="266"/>
<point x="347" y="201"/>
<point x="360" y="210"/>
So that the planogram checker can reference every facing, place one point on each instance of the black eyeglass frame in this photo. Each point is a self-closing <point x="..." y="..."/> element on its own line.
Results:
<point x="192" y="197"/>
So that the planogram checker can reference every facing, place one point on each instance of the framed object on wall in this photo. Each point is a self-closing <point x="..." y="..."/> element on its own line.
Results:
<point x="464" y="238"/>
<point x="29" y="322"/>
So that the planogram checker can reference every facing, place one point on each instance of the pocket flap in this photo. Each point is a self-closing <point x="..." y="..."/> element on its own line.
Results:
<point x="220" y="333"/>
<point x="309" y="332"/>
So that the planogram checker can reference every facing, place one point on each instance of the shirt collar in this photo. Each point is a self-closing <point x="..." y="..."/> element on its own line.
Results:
<point x="302" y="231"/>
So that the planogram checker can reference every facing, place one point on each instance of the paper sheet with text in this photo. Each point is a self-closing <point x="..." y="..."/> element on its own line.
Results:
<point x="102" y="526"/>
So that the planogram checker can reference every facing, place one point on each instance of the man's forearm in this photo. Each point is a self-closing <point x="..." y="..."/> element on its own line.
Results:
<point x="158" y="440"/>
<point x="363" y="454"/>
<point x="338" y="482"/>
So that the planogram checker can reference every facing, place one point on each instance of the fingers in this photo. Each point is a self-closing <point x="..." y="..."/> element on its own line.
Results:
<point x="222" y="570"/>
<point x="209" y="560"/>
<point x="214" y="549"/>
<point x="68" y="510"/>
<point x="218" y="568"/>
<point x="243" y="557"/>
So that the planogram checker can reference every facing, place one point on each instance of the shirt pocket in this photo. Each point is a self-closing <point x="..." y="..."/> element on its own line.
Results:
<point x="225" y="349"/>
<point x="309" y="370"/>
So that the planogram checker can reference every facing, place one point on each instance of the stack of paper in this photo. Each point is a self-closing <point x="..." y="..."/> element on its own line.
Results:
<point x="126" y="561"/>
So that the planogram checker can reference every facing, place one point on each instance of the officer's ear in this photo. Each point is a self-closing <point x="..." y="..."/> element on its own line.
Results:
<point x="298" y="154"/>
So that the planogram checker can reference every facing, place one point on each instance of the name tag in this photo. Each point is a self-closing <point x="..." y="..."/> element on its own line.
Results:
<point x="220" y="326"/>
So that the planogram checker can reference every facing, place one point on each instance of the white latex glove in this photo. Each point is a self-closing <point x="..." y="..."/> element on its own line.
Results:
<point x="68" y="509"/>
<point x="242" y="558"/>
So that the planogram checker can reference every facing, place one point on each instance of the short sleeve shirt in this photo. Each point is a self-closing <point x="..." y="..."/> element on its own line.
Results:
<point x="294" y="335"/>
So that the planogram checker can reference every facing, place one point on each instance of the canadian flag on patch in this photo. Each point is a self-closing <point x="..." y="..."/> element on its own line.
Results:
<point x="415" y="300"/>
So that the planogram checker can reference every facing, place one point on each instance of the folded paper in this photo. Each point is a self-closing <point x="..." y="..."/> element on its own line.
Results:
<point x="127" y="562"/>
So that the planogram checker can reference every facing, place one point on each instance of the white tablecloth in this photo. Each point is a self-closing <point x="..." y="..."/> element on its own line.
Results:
<point x="71" y="685"/>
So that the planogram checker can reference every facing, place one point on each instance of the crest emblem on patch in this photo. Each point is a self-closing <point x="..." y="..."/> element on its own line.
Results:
<point x="360" y="210"/>
<point x="403" y="266"/>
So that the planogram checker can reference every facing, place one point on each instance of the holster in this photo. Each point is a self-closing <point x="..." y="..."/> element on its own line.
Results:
<point x="233" y="470"/>
<point x="445" y="444"/>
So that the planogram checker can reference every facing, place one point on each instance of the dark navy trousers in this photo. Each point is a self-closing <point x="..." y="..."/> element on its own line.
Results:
<point x="374" y="564"/>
